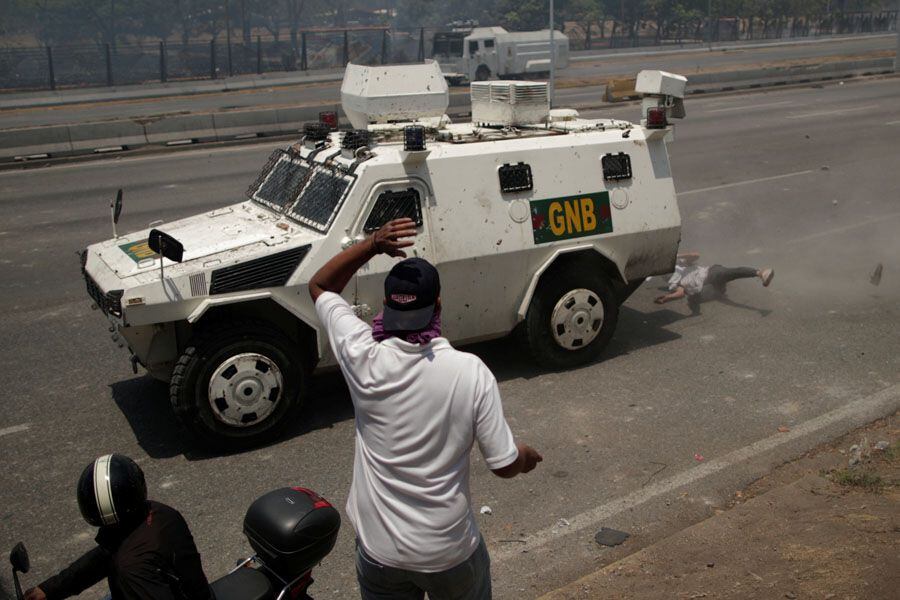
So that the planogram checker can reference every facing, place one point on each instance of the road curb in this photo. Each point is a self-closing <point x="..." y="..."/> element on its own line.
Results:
<point x="55" y="141"/>
<point x="714" y="535"/>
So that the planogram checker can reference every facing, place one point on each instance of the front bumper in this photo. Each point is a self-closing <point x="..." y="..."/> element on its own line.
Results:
<point x="109" y="302"/>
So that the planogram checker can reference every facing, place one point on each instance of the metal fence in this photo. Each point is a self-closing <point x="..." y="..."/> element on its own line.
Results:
<point x="225" y="56"/>
<point x="727" y="29"/>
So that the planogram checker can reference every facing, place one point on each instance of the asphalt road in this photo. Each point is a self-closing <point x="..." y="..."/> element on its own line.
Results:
<point x="683" y="411"/>
<point x="605" y="65"/>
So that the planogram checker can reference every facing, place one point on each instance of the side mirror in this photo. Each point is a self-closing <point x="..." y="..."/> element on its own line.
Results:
<point x="117" y="207"/>
<point x="18" y="558"/>
<point x="165" y="245"/>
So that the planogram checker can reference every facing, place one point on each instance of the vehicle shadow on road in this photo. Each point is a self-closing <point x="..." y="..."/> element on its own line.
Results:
<point x="508" y="358"/>
<point x="144" y="402"/>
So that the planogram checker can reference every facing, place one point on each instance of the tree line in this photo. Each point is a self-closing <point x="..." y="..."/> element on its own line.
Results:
<point x="54" y="22"/>
<point x="533" y="14"/>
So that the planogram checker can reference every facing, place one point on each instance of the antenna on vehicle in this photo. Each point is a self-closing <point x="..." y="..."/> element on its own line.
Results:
<point x="115" y="209"/>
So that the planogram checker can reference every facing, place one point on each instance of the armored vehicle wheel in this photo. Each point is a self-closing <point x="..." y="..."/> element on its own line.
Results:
<point x="482" y="73"/>
<point x="238" y="383"/>
<point x="571" y="318"/>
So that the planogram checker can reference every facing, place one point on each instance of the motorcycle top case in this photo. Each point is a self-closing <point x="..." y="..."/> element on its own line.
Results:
<point x="291" y="529"/>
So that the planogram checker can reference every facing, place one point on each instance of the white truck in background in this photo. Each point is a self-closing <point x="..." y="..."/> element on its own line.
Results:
<point x="492" y="53"/>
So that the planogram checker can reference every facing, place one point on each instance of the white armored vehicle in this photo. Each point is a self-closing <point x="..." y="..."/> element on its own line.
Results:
<point x="537" y="219"/>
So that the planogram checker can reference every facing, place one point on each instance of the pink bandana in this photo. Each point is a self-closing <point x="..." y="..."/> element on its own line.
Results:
<point x="431" y="331"/>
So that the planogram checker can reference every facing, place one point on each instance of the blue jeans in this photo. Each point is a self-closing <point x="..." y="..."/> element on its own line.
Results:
<point x="469" y="580"/>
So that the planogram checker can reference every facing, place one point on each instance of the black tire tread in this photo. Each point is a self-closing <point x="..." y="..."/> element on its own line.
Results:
<point x="542" y="348"/>
<point x="186" y="410"/>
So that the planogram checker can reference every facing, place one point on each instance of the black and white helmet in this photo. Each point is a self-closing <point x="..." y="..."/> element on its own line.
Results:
<point x="112" y="490"/>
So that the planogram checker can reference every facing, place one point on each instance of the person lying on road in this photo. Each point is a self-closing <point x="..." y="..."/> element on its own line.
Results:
<point x="690" y="278"/>
<point x="420" y="405"/>
<point x="144" y="548"/>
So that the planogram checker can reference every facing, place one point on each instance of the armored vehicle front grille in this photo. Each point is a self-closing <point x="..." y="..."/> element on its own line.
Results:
<point x="515" y="178"/>
<point x="267" y="271"/>
<point x="280" y="181"/>
<point x="392" y="205"/>
<point x="109" y="303"/>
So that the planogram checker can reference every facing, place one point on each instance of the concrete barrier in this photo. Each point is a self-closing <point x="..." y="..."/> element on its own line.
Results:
<point x="89" y="136"/>
<point x="291" y="120"/>
<point x="51" y="139"/>
<point x="618" y="90"/>
<point x="233" y="123"/>
<point x="198" y="127"/>
<point x="791" y="74"/>
<point x="224" y="126"/>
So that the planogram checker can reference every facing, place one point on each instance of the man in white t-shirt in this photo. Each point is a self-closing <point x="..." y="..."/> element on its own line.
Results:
<point x="420" y="405"/>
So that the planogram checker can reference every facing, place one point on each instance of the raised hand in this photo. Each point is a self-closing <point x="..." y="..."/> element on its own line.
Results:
<point x="393" y="236"/>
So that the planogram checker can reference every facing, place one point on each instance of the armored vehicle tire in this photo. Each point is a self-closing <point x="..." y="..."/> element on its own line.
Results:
<point x="571" y="318"/>
<point x="482" y="73"/>
<point x="238" y="383"/>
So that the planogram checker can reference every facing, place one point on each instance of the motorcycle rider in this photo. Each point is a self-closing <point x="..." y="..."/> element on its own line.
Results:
<point x="144" y="548"/>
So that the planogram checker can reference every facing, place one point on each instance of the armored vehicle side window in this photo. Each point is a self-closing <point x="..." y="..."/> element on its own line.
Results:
<point x="392" y="205"/>
<point x="321" y="199"/>
<point x="488" y="43"/>
<point x="616" y="166"/>
<point x="515" y="178"/>
<point x="280" y="181"/>
<point x="473" y="47"/>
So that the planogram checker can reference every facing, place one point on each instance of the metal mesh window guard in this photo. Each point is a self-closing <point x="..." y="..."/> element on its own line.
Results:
<point x="515" y="178"/>
<point x="392" y="205"/>
<point x="616" y="166"/>
<point x="280" y="181"/>
<point x="321" y="199"/>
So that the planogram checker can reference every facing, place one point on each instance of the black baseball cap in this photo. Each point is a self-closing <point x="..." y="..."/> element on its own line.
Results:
<point x="411" y="291"/>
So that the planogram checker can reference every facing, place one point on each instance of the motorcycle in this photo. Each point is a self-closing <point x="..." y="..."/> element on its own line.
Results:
<point x="290" y="530"/>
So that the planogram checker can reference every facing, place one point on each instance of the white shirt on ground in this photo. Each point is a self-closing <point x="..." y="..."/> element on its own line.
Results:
<point x="419" y="409"/>
<point x="689" y="276"/>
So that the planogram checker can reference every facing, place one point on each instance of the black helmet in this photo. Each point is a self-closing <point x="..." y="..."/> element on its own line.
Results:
<point x="111" y="491"/>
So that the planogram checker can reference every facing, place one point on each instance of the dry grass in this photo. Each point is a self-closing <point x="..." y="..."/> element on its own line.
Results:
<point x="866" y="480"/>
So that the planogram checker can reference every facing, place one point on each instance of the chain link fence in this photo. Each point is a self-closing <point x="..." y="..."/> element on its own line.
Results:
<point x="612" y="34"/>
<point x="122" y="64"/>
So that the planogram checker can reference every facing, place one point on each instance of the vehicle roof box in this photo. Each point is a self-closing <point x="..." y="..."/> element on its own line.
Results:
<point x="660" y="83"/>
<point x="291" y="530"/>
<point x="510" y="103"/>
<point x="381" y="94"/>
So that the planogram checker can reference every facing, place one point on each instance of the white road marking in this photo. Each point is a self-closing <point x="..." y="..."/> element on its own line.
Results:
<point x="838" y="111"/>
<point x="830" y="232"/>
<point x="853" y="414"/>
<point x="751" y="106"/>
<point x="893" y="123"/>
<point x="15" y="429"/>
<point x="747" y="182"/>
